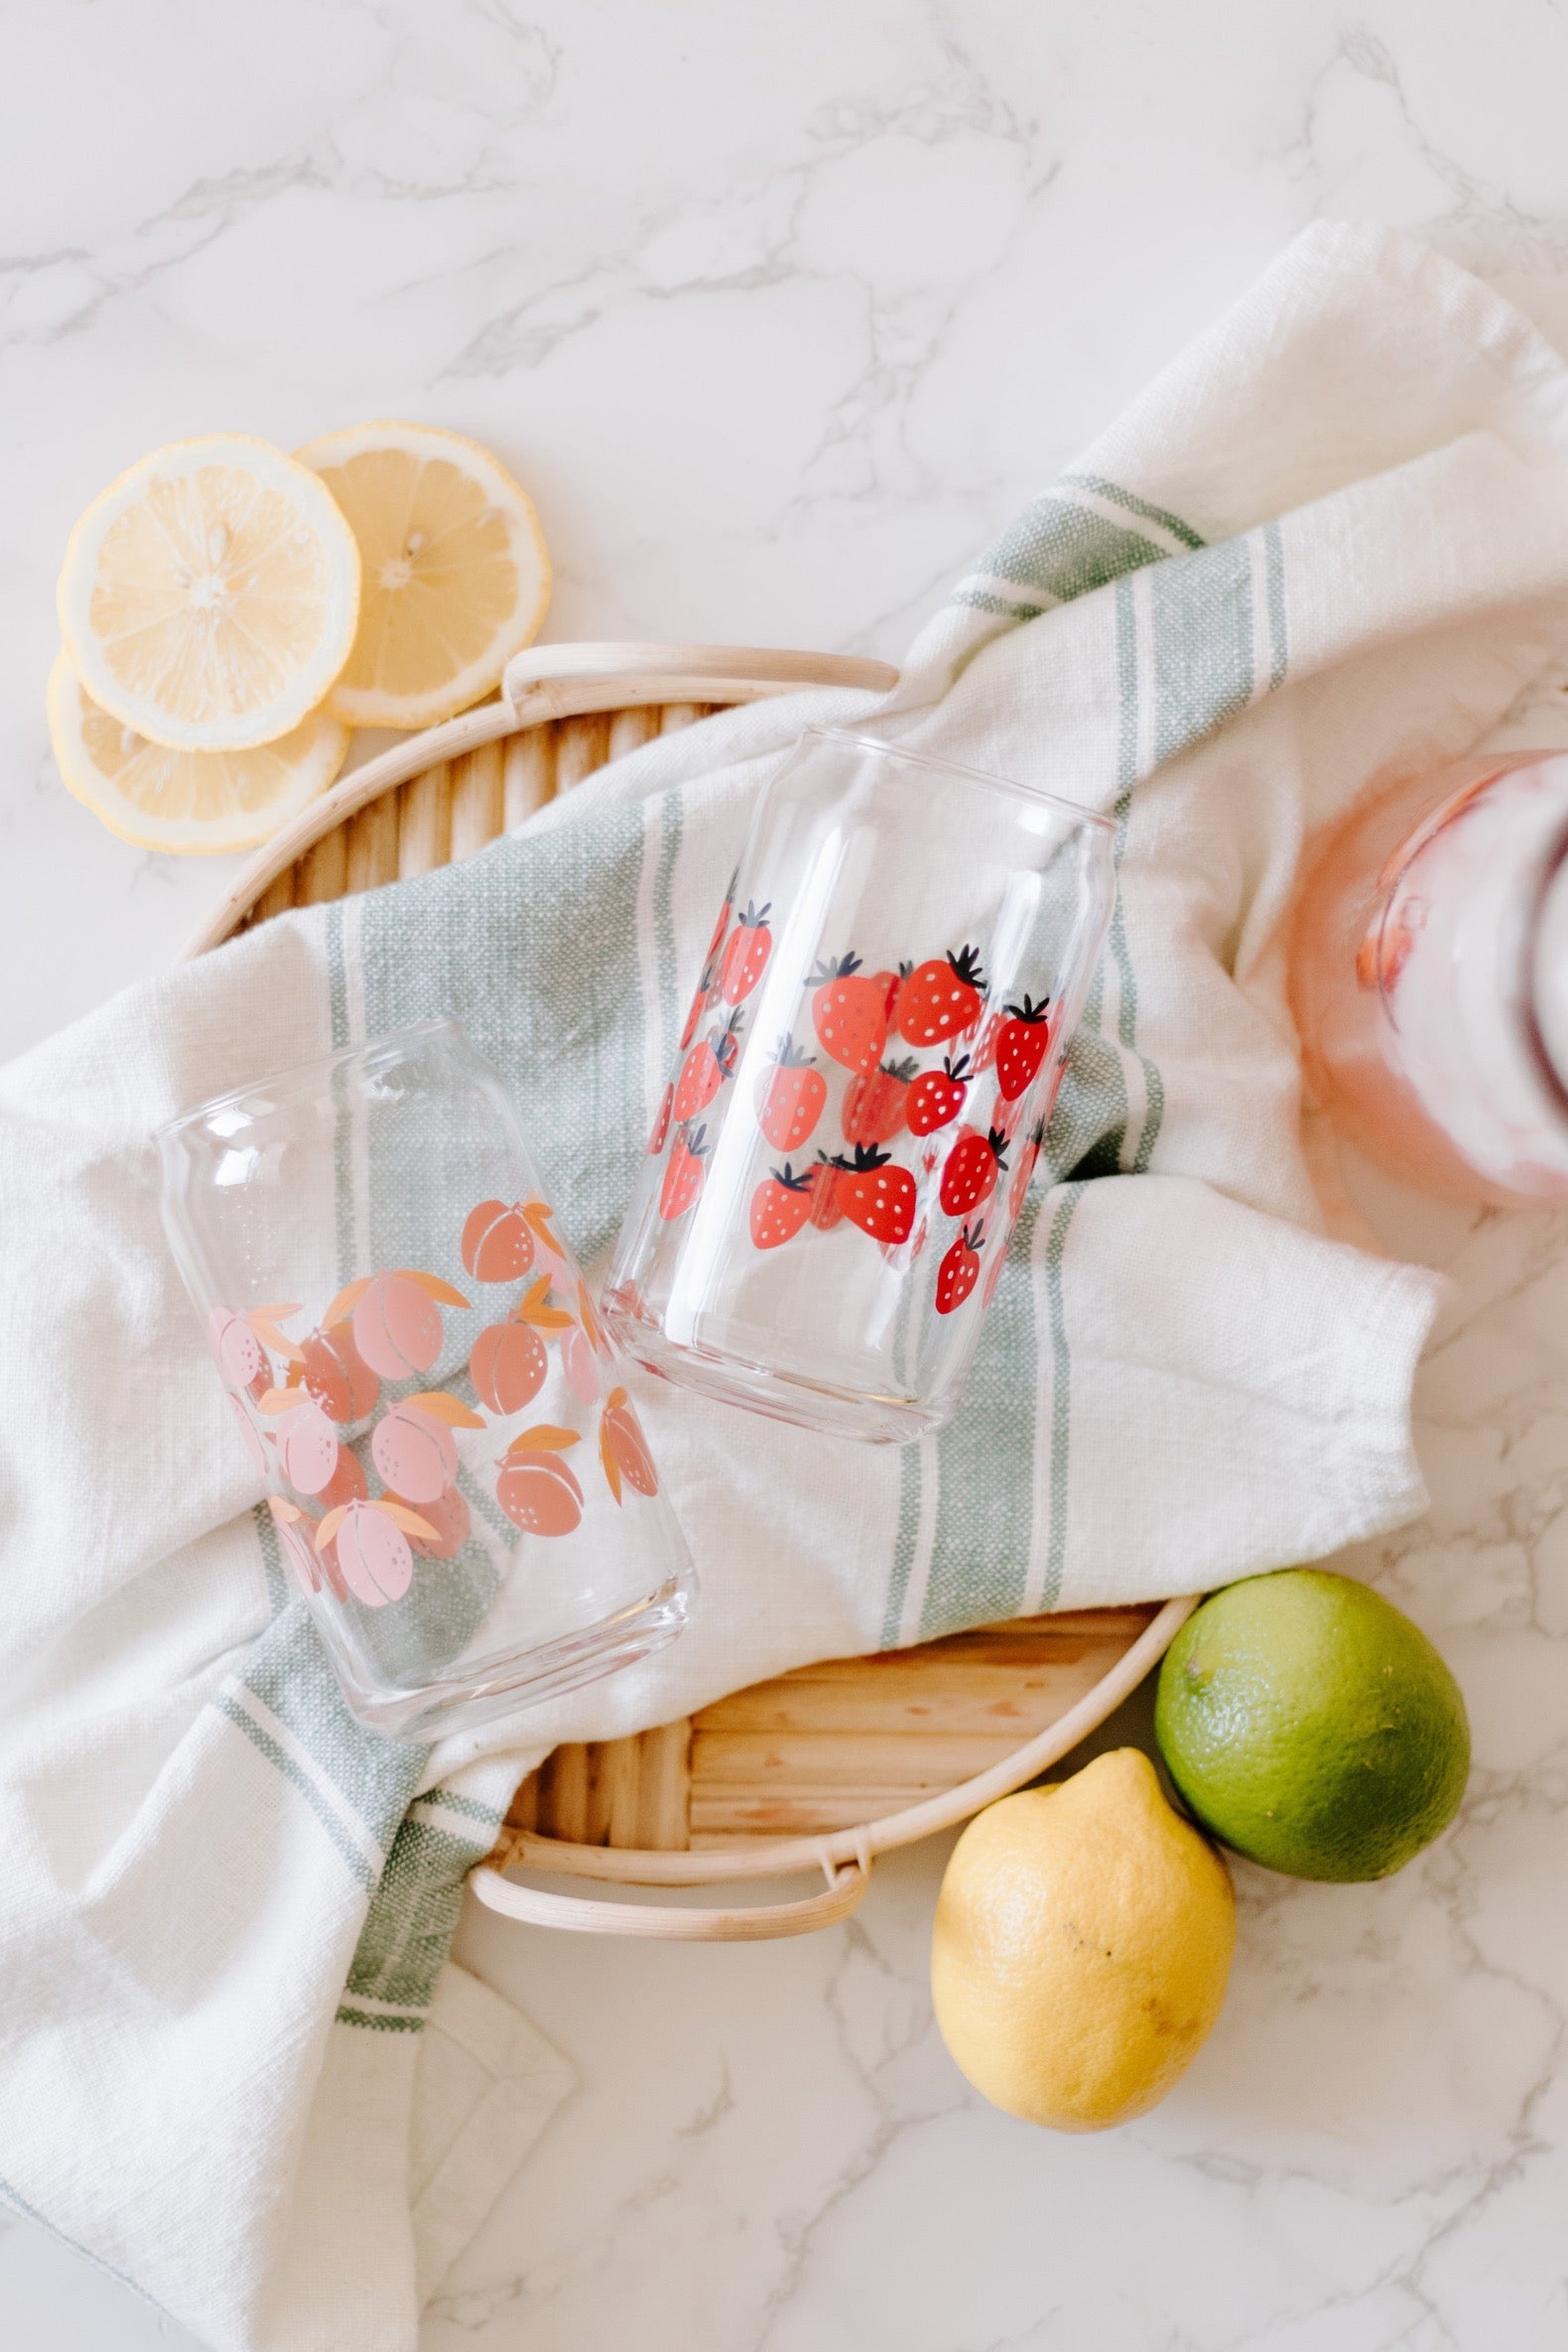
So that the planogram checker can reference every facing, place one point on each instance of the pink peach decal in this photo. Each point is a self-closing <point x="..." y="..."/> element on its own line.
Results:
<point x="497" y="1241"/>
<point x="307" y="1446"/>
<point x="397" y="1327"/>
<point x="538" y="1492"/>
<point x="240" y="1355"/>
<point x="371" y="1544"/>
<point x="337" y="1376"/>
<point x="508" y="1366"/>
<point x="415" y="1453"/>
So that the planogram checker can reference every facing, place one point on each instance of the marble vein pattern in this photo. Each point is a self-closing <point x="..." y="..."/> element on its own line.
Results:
<point x="780" y="313"/>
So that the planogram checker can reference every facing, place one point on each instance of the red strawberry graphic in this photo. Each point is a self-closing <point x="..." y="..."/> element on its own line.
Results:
<point x="683" y="1175"/>
<point x="936" y="1099"/>
<point x="958" y="1271"/>
<point x="826" y="1209"/>
<point x="874" y="1107"/>
<point x="1023" y="1171"/>
<point x="1021" y="1041"/>
<point x="780" y="1206"/>
<point x="970" y="1176"/>
<point x="661" y="1125"/>
<point x="706" y="1068"/>
<point x="877" y="1195"/>
<point x="849" y="1011"/>
<point x="941" y="998"/>
<point x="790" y="1097"/>
<point x="745" y="958"/>
<point x="891" y="984"/>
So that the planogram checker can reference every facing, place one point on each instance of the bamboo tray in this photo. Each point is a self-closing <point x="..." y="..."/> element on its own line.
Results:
<point x="824" y="1768"/>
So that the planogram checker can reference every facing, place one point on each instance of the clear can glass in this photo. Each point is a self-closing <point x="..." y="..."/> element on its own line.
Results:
<point x="866" y="1072"/>
<point x="457" y="1478"/>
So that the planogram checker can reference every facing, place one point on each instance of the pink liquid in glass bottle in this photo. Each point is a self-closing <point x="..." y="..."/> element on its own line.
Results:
<point x="1429" y="978"/>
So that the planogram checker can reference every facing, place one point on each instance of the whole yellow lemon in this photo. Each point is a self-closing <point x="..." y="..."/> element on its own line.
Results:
<point x="1080" y="1948"/>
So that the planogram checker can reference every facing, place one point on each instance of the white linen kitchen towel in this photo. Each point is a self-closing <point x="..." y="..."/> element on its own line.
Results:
<point x="1332" y="539"/>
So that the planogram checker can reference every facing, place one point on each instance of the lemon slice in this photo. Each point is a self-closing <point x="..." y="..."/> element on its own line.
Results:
<point x="186" y="802"/>
<point x="210" y="595"/>
<point x="457" y="575"/>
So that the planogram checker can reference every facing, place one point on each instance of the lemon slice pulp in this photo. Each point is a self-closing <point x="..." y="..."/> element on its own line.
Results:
<point x="210" y="595"/>
<point x="456" y="571"/>
<point x="189" y="803"/>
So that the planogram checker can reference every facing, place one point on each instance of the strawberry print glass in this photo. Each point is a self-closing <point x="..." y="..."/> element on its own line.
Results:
<point x="862" y="1081"/>
<point x="442" y="1429"/>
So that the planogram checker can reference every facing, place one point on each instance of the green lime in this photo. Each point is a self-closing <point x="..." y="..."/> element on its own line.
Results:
<point x="1311" y="1726"/>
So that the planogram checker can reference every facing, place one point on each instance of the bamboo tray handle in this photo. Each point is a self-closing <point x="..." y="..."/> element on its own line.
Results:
<point x="546" y="681"/>
<point x="670" y="1923"/>
<point x="843" y="1853"/>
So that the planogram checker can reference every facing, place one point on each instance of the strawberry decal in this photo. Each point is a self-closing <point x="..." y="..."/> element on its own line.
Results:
<point x="941" y="998"/>
<point x="684" y="1175"/>
<point x="661" y="1125"/>
<point x="877" y="1195"/>
<point x="936" y="1099"/>
<point x="985" y="1043"/>
<point x="826" y="1209"/>
<point x="874" y="1106"/>
<point x="745" y="955"/>
<point x="958" y="1271"/>
<point x="790" y="1097"/>
<point x="780" y="1206"/>
<point x="1021" y="1041"/>
<point x="1024" y="1171"/>
<point x="849" y="1011"/>
<point x="970" y="1176"/>
<point x="706" y="1068"/>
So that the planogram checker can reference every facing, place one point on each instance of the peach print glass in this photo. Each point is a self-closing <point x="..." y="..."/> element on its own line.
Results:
<point x="1429" y="978"/>
<point x="456" y="1477"/>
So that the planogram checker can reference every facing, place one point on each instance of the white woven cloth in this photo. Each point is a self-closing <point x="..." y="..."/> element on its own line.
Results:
<point x="1333" y="539"/>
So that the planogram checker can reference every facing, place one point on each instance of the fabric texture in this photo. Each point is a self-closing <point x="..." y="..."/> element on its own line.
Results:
<point x="1330" y="541"/>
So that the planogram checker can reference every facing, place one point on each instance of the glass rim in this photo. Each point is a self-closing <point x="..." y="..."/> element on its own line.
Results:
<point x="957" y="767"/>
<point x="317" y="1066"/>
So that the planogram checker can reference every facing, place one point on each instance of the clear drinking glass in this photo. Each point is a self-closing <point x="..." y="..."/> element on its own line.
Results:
<point x="864" y="1077"/>
<point x="1429" y="977"/>
<point x="456" y="1474"/>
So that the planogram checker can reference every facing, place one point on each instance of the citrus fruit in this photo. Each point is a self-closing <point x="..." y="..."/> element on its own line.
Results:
<point x="185" y="803"/>
<point x="210" y="595"/>
<point x="1081" y="1947"/>
<point x="457" y="575"/>
<point x="1311" y="1726"/>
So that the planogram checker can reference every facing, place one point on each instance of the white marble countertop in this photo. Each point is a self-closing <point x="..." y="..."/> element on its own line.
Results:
<point x="779" y="313"/>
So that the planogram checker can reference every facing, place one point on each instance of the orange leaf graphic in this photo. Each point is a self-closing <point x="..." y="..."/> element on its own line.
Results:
<point x="447" y="1407"/>
<point x="611" y="1466"/>
<point x="544" y="1438"/>
<point x="409" y="1521"/>
<point x="330" y="1526"/>
<point x="277" y="1401"/>
<point x="433" y="1286"/>
<point x="346" y="1302"/>
<point x="282" y="1508"/>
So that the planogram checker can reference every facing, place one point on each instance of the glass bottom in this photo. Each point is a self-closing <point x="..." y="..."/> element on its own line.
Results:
<point x="461" y="1702"/>
<point x="876" y="1419"/>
